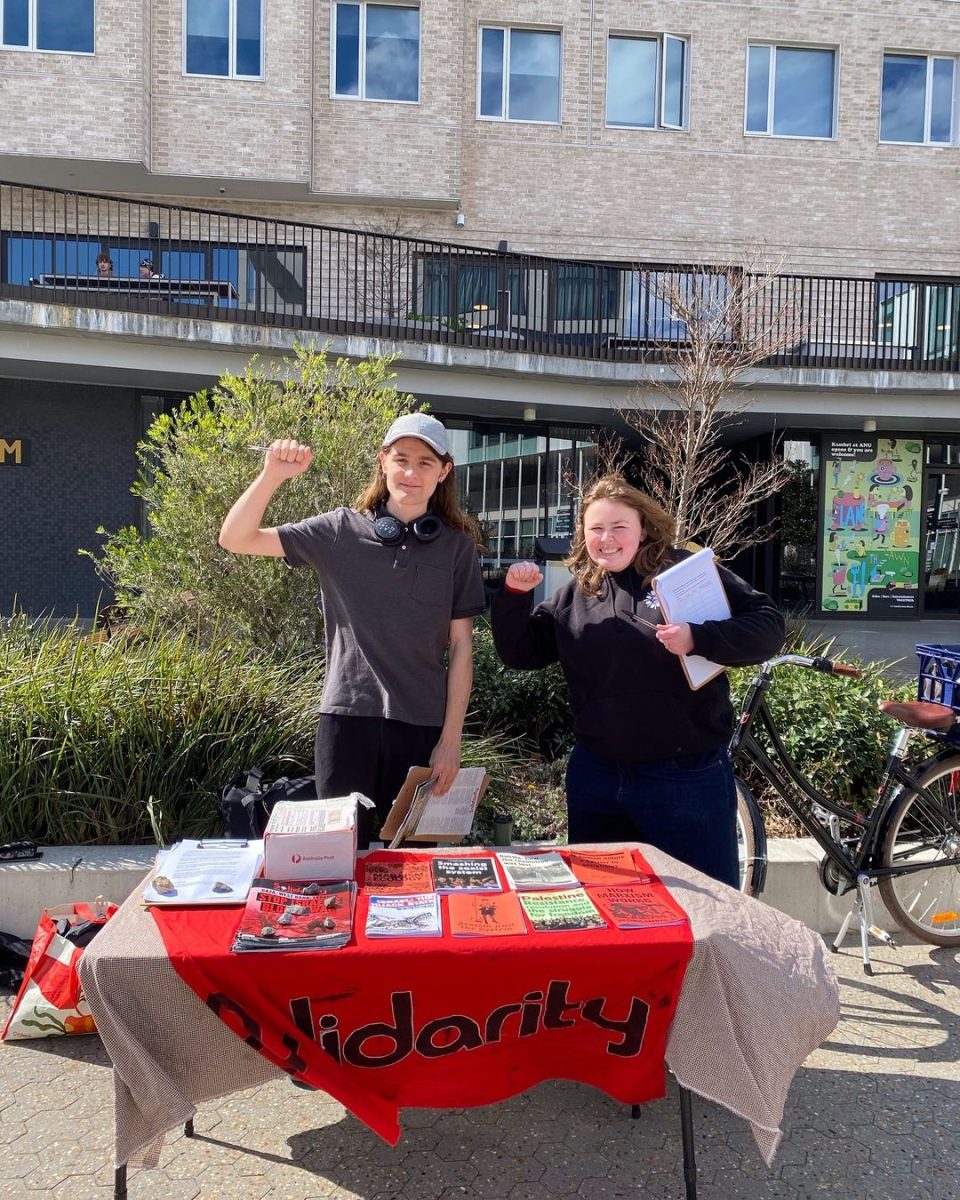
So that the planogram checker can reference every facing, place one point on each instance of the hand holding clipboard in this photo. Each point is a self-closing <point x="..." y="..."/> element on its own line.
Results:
<point x="691" y="591"/>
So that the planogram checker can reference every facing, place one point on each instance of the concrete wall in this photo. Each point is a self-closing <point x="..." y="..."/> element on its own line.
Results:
<point x="76" y="473"/>
<point x="709" y="193"/>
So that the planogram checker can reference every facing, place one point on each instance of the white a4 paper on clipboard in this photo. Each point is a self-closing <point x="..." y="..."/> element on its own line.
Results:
<point x="692" y="591"/>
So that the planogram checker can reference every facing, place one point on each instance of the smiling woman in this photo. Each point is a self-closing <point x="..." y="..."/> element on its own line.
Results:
<point x="650" y="760"/>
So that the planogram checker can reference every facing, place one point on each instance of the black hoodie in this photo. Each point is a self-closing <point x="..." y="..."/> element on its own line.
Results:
<point x="630" y="697"/>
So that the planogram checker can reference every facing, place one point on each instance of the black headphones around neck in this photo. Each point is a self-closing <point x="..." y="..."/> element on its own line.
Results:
<point x="391" y="531"/>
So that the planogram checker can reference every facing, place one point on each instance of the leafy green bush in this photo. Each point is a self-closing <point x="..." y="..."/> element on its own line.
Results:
<point x="830" y="724"/>
<point x="196" y="463"/>
<point x="530" y="706"/>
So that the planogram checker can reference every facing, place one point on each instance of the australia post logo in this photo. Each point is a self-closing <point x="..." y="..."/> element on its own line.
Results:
<point x="386" y="1042"/>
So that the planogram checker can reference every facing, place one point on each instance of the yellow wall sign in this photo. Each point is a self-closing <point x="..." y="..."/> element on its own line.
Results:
<point x="11" y="451"/>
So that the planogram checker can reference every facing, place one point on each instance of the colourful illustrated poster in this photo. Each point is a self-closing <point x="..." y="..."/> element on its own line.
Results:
<point x="871" y="525"/>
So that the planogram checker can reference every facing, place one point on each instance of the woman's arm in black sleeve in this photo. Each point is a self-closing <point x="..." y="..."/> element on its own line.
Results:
<point x="754" y="631"/>
<point x="524" y="639"/>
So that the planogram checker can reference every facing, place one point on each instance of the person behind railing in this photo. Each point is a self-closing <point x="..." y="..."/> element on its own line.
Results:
<point x="148" y="270"/>
<point x="650" y="761"/>
<point x="104" y="265"/>
<point x="400" y="582"/>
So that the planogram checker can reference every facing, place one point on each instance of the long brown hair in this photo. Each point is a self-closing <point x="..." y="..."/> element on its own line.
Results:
<point x="444" y="503"/>
<point x="659" y="530"/>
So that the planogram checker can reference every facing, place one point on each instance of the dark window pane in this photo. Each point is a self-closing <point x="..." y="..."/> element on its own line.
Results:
<point x="903" y="98"/>
<point x="65" y="25"/>
<point x="347" y="80"/>
<point x="208" y="34"/>
<point x="674" y="74"/>
<point x="16" y="22"/>
<point x="758" y="89"/>
<point x="392" y="53"/>
<point x="632" y="82"/>
<point x="803" y="93"/>
<point x="248" y="38"/>
<point x="491" y="73"/>
<point x="534" y="76"/>
<point x="941" y="101"/>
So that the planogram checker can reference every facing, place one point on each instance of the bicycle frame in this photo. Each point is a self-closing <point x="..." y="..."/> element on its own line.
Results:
<point x="862" y="856"/>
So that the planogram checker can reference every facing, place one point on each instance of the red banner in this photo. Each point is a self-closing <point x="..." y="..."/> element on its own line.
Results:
<point x="443" y="1022"/>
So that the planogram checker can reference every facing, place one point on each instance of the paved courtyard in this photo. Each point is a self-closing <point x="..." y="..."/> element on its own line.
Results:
<point x="873" y="1115"/>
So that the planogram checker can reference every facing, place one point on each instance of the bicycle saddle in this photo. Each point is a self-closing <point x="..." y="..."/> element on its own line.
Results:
<point x="920" y="714"/>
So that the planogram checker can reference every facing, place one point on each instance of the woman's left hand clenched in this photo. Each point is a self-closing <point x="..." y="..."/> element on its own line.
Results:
<point x="676" y="638"/>
<point x="445" y="763"/>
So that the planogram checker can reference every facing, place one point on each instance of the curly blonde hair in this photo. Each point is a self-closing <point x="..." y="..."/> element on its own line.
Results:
<point x="659" y="531"/>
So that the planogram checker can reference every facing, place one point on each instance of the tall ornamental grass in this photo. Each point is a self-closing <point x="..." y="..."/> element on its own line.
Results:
<point x="91" y="730"/>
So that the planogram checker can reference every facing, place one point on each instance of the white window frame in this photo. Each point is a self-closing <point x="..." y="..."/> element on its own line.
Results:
<point x="771" y="79"/>
<point x="507" y="31"/>
<point x="661" y="40"/>
<point x="362" y="51"/>
<point x="928" y="99"/>
<point x="231" y="46"/>
<point x="32" y="47"/>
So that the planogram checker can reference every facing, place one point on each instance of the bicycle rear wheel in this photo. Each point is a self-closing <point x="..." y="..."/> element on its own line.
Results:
<point x="926" y="903"/>
<point x="751" y="842"/>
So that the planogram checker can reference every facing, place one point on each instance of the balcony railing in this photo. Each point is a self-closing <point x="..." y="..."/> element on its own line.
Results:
<point x="270" y="272"/>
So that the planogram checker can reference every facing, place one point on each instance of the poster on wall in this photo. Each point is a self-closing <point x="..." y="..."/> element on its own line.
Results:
<point x="870" y="526"/>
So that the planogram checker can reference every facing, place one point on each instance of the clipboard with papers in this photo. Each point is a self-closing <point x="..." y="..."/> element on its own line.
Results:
<point x="212" y="871"/>
<point x="692" y="591"/>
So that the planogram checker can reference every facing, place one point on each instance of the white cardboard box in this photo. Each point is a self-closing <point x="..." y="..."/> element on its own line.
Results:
<point x="312" y="839"/>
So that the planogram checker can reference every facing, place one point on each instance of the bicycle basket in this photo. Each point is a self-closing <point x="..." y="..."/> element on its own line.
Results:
<point x="940" y="674"/>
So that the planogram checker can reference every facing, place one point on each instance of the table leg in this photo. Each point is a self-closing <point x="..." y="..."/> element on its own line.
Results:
<point x="120" y="1182"/>
<point x="689" y="1158"/>
<point x="188" y="1128"/>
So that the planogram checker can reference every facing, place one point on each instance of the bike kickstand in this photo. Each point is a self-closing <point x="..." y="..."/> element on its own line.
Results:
<point x="867" y="928"/>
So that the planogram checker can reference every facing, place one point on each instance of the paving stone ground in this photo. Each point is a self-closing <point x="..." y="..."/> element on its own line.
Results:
<point x="874" y="1114"/>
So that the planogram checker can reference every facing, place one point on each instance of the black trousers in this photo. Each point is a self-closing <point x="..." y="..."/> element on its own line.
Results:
<point x="370" y="755"/>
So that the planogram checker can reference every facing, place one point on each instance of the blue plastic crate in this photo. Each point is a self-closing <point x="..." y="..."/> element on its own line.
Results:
<point x="940" y="674"/>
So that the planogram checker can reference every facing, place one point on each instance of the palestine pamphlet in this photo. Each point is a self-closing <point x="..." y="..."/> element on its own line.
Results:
<point x="297" y="915"/>
<point x="404" y="916"/>
<point x="465" y="874"/>
<point x="473" y="915"/>
<point x="211" y="871"/>
<point x="554" y="912"/>
<point x="692" y="591"/>
<point x="540" y="870"/>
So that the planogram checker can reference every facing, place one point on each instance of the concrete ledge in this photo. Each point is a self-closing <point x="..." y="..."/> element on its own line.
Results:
<point x="70" y="873"/>
<point x="65" y="875"/>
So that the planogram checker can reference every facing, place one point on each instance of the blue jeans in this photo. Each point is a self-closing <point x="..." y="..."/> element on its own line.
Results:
<point x="684" y="806"/>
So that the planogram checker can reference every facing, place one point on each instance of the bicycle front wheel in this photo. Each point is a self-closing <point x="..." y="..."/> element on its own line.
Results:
<point x="926" y="902"/>
<point x="751" y="842"/>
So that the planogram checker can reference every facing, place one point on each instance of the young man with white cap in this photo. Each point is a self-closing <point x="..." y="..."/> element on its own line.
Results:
<point x="400" y="584"/>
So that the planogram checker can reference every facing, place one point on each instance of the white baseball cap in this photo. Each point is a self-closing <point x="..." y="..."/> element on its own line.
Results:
<point x="419" y="425"/>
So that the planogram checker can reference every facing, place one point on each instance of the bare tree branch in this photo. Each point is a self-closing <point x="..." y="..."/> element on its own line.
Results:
<point x="713" y="324"/>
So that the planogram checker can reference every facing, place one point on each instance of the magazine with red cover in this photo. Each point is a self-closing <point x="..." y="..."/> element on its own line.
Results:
<point x="390" y="873"/>
<point x="605" y="866"/>
<point x="485" y="915"/>
<point x="637" y="906"/>
<point x="296" y="915"/>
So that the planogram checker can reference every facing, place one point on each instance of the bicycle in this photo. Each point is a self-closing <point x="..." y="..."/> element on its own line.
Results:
<point x="908" y="843"/>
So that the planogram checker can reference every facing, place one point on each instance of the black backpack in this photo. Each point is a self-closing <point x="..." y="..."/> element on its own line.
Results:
<point x="246" y="802"/>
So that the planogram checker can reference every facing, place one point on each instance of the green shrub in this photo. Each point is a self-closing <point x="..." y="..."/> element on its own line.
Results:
<point x="830" y="723"/>
<point x="529" y="706"/>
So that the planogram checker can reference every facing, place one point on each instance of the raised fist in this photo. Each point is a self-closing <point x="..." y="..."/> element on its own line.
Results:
<point x="524" y="577"/>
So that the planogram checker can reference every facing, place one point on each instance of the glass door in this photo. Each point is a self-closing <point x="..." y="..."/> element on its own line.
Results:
<point x="941" y="567"/>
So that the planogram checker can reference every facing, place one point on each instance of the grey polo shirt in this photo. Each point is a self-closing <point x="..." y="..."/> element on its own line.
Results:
<point x="387" y="612"/>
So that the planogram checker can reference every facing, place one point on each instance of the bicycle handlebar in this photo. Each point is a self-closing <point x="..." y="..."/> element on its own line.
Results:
<point x="818" y="663"/>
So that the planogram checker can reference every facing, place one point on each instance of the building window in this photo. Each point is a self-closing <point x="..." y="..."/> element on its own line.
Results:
<point x="647" y="81"/>
<point x="376" y="52"/>
<point x="520" y="75"/>
<point x="223" y="37"/>
<point x="791" y="91"/>
<point x="64" y="25"/>
<point x="918" y="99"/>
